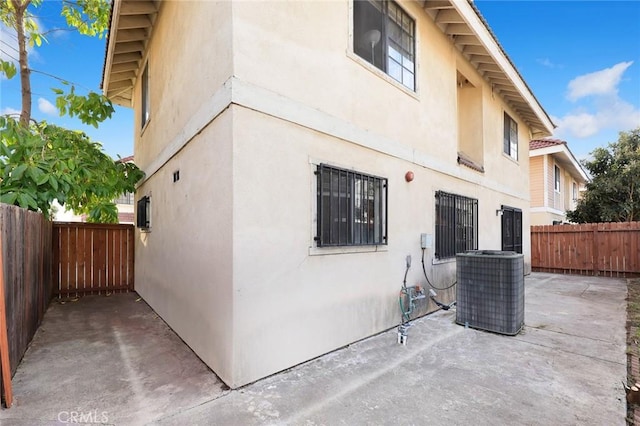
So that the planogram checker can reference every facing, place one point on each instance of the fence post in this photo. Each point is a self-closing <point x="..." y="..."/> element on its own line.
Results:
<point x="596" y="253"/>
<point x="4" y="341"/>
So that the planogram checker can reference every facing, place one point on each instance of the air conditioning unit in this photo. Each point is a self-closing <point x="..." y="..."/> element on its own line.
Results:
<point x="490" y="290"/>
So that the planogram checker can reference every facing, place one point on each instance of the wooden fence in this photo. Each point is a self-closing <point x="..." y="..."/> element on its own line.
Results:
<point x="92" y="258"/>
<point x="26" y="244"/>
<point x="611" y="249"/>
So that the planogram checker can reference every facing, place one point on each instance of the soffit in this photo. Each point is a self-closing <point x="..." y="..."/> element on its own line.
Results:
<point x="129" y="32"/>
<point x="566" y="159"/>
<point x="563" y="156"/>
<point x="462" y="22"/>
<point x="132" y="23"/>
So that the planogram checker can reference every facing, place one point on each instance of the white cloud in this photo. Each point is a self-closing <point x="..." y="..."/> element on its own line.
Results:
<point x="611" y="113"/>
<point x="616" y="112"/>
<point x="546" y="62"/>
<point x="9" y="111"/>
<point x="8" y="44"/>
<point x="605" y="109"/>
<point x="603" y="82"/>
<point x="47" y="107"/>
<point x="580" y="125"/>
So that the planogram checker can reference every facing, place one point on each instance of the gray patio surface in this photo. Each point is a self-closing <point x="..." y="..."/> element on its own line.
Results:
<point x="112" y="360"/>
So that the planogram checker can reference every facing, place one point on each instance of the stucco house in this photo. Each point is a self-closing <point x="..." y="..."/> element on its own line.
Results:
<point x="298" y="153"/>
<point x="557" y="179"/>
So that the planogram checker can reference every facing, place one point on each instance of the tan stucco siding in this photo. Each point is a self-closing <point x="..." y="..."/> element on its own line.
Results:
<point x="189" y="58"/>
<point x="470" y="118"/>
<point x="546" y="218"/>
<point x="536" y="173"/>
<point x="324" y="73"/>
<point x="184" y="264"/>
<point x="231" y="262"/>
<point x="279" y="275"/>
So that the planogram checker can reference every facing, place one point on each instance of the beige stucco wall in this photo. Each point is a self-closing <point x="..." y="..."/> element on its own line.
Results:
<point x="470" y="119"/>
<point x="311" y="301"/>
<point x="184" y="263"/>
<point x="546" y="218"/>
<point x="189" y="59"/>
<point x="324" y="73"/>
<point x="230" y="262"/>
<point x="321" y="289"/>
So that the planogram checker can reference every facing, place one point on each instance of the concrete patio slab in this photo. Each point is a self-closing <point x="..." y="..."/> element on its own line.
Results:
<point x="106" y="360"/>
<point x="565" y="367"/>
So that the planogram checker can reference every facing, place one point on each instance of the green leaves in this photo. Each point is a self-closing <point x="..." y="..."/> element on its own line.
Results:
<point x="613" y="195"/>
<point x="39" y="162"/>
<point x="45" y="163"/>
<point x="91" y="109"/>
<point x="8" y="198"/>
<point x="8" y="69"/>
<point x="18" y="172"/>
<point x="90" y="17"/>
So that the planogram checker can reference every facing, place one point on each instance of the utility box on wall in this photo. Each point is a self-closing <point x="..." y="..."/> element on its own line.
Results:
<point x="490" y="290"/>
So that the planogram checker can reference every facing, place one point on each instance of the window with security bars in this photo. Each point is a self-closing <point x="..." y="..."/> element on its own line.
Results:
<point x="352" y="208"/>
<point x="384" y="36"/>
<point x="456" y="224"/>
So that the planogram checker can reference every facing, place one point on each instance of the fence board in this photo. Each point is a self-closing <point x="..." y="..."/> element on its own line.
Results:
<point x="27" y="255"/>
<point x="92" y="258"/>
<point x="610" y="249"/>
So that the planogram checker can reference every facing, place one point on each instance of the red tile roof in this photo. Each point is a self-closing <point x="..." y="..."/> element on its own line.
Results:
<point x="544" y="143"/>
<point x="128" y="159"/>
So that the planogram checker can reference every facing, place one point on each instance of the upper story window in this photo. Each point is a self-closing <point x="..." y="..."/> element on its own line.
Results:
<point x="556" y="178"/>
<point x="456" y="224"/>
<point x="574" y="191"/>
<point x="510" y="137"/>
<point x="145" y="106"/>
<point x="126" y="198"/>
<point x="384" y="36"/>
<point x="352" y="208"/>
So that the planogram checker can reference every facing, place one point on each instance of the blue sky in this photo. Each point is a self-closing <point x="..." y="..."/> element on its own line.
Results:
<point x="73" y="57"/>
<point x="580" y="58"/>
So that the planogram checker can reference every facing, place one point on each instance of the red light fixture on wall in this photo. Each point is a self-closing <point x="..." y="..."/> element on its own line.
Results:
<point x="408" y="176"/>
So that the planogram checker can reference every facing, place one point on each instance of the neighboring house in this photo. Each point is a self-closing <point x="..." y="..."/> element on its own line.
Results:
<point x="297" y="152"/>
<point x="124" y="204"/>
<point x="557" y="180"/>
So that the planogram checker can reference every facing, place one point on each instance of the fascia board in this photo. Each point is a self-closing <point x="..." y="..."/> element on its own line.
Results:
<point x="471" y="17"/>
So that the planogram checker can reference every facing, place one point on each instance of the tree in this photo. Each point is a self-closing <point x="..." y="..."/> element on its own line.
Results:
<point x="40" y="162"/>
<point x="613" y="195"/>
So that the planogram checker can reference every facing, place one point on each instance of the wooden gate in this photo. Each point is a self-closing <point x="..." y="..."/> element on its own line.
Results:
<point x="92" y="258"/>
